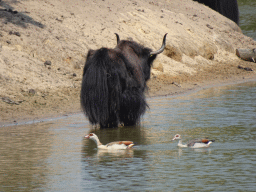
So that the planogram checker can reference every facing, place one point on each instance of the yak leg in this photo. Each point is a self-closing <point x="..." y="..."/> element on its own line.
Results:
<point x="133" y="106"/>
<point x="111" y="122"/>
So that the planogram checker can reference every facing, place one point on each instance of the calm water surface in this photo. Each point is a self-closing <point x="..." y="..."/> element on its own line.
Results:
<point x="53" y="156"/>
<point x="247" y="9"/>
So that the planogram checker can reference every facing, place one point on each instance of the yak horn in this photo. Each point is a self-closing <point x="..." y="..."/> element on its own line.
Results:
<point x="161" y="49"/>
<point x="117" y="38"/>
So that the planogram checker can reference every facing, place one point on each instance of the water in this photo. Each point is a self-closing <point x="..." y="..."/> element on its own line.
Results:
<point x="247" y="9"/>
<point x="53" y="156"/>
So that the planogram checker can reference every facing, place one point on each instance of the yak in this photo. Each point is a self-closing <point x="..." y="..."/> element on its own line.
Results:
<point x="228" y="8"/>
<point x="114" y="81"/>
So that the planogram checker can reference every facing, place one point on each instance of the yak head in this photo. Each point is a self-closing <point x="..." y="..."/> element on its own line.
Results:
<point x="139" y="56"/>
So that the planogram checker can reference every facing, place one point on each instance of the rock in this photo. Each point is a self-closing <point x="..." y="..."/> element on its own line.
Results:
<point x="209" y="26"/>
<point x="47" y="62"/>
<point x="17" y="34"/>
<point x="174" y="83"/>
<point x="32" y="91"/>
<point x="14" y="33"/>
<point x="245" y="68"/>
<point x="10" y="101"/>
<point x="11" y="11"/>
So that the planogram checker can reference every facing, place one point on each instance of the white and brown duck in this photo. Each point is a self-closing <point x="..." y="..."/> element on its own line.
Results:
<point x="116" y="145"/>
<point x="195" y="143"/>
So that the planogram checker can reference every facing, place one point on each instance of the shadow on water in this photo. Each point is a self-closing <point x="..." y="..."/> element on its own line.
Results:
<point x="13" y="16"/>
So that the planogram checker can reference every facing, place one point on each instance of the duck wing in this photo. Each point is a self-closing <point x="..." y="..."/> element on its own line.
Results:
<point x="127" y="143"/>
<point x="192" y="142"/>
<point x="205" y="141"/>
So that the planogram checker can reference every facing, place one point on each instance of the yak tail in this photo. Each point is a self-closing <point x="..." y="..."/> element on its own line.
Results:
<point x="99" y="93"/>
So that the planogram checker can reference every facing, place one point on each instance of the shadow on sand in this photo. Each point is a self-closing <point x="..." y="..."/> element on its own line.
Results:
<point x="10" y="15"/>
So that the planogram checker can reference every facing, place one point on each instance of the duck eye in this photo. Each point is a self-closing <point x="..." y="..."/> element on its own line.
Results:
<point x="177" y="135"/>
<point x="91" y="134"/>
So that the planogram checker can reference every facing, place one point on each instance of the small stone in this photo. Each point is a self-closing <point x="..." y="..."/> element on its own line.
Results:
<point x="248" y="69"/>
<point x="32" y="91"/>
<point x="74" y="74"/>
<point x="9" y="101"/>
<point x="174" y="83"/>
<point x="47" y="62"/>
<point x="17" y="34"/>
<point x="209" y="26"/>
<point x="10" y="10"/>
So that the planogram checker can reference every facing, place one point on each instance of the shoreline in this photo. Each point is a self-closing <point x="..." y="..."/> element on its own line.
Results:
<point x="43" y="50"/>
<point x="173" y="92"/>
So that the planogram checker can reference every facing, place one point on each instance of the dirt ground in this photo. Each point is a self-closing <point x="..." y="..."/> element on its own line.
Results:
<point x="43" y="45"/>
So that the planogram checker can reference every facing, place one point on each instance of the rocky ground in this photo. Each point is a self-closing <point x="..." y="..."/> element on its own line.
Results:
<point x="43" y="45"/>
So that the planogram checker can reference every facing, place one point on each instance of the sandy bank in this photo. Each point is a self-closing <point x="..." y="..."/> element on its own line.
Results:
<point x="200" y="49"/>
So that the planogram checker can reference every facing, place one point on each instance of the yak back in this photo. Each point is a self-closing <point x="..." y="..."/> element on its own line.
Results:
<point x="139" y="59"/>
<point x="107" y="75"/>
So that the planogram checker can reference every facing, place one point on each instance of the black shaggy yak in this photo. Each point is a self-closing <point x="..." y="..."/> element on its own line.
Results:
<point x="114" y="81"/>
<point x="228" y="8"/>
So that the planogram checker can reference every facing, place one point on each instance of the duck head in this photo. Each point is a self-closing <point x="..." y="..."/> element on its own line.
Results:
<point x="90" y="136"/>
<point x="93" y="137"/>
<point x="177" y="136"/>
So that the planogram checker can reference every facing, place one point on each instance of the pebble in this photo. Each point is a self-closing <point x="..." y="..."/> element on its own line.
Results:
<point x="245" y="68"/>
<point x="47" y="62"/>
<point x="14" y="33"/>
<point x="209" y="26"/>
<point x="10" y="11"/>
<point x="10" y="101"/>
<point x="32" y="91"/>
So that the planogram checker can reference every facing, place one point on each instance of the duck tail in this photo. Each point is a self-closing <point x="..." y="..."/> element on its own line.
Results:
<point x="130" y="146"/>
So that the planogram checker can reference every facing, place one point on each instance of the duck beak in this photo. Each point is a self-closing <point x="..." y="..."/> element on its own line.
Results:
<point x="87" y="136"/>
<point x="174" y="139"/>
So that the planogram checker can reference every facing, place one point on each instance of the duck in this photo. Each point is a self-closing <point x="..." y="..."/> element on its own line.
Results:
<point x="195" y="143"/>
<point x="116" y="145"/>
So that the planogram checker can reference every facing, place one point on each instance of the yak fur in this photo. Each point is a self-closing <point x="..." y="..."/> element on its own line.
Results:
<point x="113" y="85"/>
<point x="228" y="8"/>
